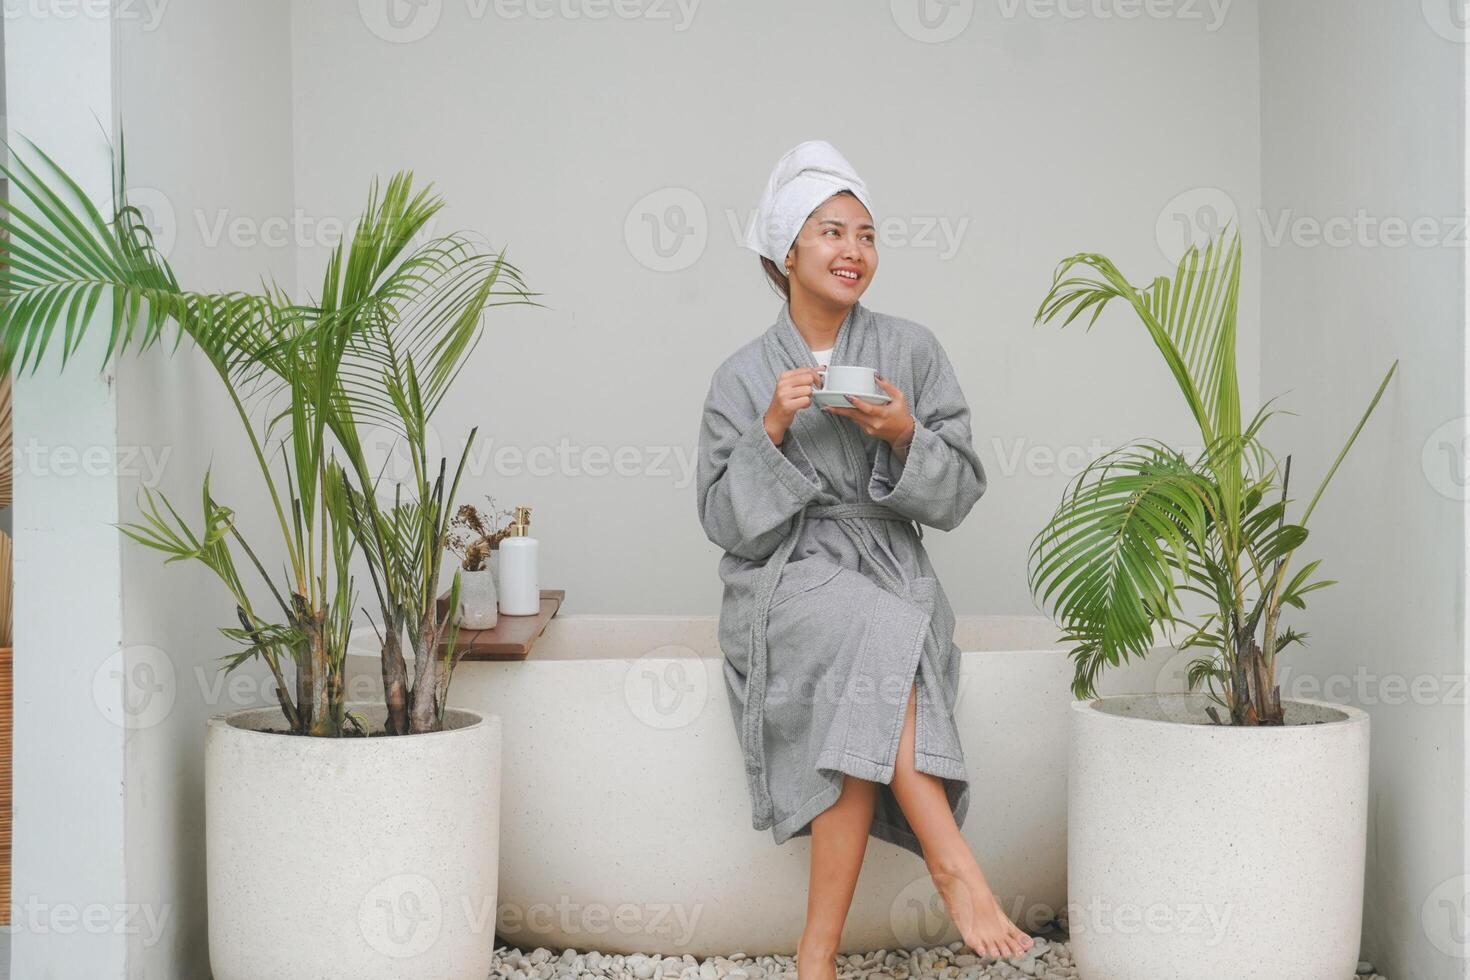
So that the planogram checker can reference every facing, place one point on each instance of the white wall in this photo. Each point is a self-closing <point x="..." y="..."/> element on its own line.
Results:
<point x="1362" y="108"/>
<point x="67" y="890"/>
<point x="211" y="160"/>
<point x="569" y="139"/>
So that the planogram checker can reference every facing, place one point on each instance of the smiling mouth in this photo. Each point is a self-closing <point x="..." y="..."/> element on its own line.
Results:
<point x="847" y="276"/>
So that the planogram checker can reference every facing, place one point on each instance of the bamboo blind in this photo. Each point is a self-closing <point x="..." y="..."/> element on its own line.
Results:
<point x="6" y="702"/>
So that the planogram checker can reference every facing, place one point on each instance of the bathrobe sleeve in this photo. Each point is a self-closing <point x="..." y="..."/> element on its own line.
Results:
<point x="942" y="477"/>
<point x="749" y="492"/>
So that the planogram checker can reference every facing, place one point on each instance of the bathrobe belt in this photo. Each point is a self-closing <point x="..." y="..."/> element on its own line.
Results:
<point x="752" y="733"/>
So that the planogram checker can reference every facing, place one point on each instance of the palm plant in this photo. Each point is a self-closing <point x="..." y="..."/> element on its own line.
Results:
<point x="392" y="328"/>
<point x="1144" y="524"/>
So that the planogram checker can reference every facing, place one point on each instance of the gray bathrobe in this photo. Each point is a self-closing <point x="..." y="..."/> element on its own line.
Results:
<point x="831" y="607"/>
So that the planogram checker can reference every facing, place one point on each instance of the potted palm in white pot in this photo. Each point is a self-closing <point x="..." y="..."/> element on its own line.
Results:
<point x="1219" y="832"/>
<point x="343" y="839"/>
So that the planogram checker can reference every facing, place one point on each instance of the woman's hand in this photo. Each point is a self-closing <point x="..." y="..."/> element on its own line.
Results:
<point x="892" y="423"/>
<point x="793" y="393"/>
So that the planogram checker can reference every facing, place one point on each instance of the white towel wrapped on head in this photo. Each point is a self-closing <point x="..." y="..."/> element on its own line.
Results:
<point x="802" y="179"/>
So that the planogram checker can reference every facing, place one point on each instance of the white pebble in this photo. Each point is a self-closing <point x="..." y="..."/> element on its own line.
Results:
<point x="1045" y="960"/>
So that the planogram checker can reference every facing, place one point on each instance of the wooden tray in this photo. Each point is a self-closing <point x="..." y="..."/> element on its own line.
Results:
<point x="511" y="638"/>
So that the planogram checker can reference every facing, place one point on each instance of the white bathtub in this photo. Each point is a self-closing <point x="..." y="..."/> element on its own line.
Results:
<point x="625" y="820"/>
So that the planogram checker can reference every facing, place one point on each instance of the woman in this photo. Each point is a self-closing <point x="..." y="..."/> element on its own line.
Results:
<point x="840" y="661"/>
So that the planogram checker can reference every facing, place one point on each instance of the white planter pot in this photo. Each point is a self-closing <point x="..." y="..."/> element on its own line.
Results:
<point x="1198" y="851"/>
<point x="478" y="603"/>
<point x="352" y="857"/>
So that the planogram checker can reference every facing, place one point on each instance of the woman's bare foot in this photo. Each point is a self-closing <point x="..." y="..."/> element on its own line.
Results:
<point x="983" y="925"/>
<point x="815" y="961"/>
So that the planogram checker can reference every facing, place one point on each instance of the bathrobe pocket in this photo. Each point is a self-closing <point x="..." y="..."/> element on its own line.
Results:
<point x="802" y="576"/>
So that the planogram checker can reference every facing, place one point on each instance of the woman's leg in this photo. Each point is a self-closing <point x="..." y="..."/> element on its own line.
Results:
<point x="839" y="838"/>
<point x="983" y="924"/>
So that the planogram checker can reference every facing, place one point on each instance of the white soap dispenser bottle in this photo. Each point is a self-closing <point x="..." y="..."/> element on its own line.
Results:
<point x="520" y="585"/>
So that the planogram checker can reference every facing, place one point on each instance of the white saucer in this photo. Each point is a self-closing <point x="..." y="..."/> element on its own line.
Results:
<point x="827" y="396"/>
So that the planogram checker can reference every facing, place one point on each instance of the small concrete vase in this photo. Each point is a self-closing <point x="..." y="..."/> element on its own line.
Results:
<point x="478" y="601"/>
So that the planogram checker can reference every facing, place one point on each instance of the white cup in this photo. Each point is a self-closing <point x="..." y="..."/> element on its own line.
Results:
<point x="849" y="378"/>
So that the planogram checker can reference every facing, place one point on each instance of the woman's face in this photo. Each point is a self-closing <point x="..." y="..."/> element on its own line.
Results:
<point x="836" y="253"/>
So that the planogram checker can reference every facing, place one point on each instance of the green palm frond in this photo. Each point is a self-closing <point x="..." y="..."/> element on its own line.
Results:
<point x="1207" y="672"/>
<point x="1205" y="635"/>
<point x="1191" y="319"/>
<point x="1121" y="549"/>
<point x="394" y="325"/>
<point x="269" y="640"/>
<point x="421" y="323"/>
<point x="1104" y="560"/>
<point x="1352" y="437"/>
<point x="1299" y="586"/>
<point x="1289" y="636"/>
<point x="172" y="535"/>
<point x="64" y="259"/>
